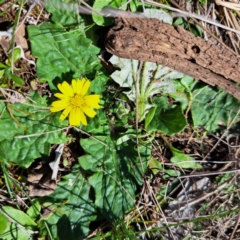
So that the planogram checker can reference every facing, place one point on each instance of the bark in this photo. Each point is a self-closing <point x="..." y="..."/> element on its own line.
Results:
<point x="154" y="41"/>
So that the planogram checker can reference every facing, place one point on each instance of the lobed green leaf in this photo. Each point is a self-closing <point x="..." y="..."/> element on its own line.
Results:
<point x="28" y="130"/>
<point x="63" y="12"/>
<point x="117" y="173"/>
<point x="61" y="53"/>
<point x="213" y="109"/>
<point x="72" y="208"/>
<point x="167" y="119"/>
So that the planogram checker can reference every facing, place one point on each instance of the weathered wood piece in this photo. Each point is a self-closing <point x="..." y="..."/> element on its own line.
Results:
<point x="151" y="40"/>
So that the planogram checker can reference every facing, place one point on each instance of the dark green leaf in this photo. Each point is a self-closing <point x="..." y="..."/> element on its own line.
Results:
<point x="168" y="119"/>
<point x="150" y="116"/>
<point x="118" y="172"/>
<point x="61" y="53"/>
<point x="100" y="4"/>
<point x="17" y="79"/>
<point x="72" y="209"/>
<point x="28" y="130"/>
<point x="212" y="108"/>
<point x="64" y="12"/>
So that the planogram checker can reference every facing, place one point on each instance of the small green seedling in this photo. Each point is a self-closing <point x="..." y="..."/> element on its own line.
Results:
<point x="6" y="69"/>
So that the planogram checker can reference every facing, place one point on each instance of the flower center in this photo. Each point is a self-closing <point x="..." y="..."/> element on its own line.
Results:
<point x="77" y="101"/>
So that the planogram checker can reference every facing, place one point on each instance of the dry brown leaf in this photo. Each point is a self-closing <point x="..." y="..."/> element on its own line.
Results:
<point x="20" y="37"/>
<point x="39" y="181"/>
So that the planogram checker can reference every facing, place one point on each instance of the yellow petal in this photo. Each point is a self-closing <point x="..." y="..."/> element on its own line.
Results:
<point x="74" y="85"/>
<point x="92" y="101"/>
<point x="65" y="113"/>
<point x="56" y="109"/>
<point x="72" y="117"/>
<point x="89" y="112"/>
<point x="60" y="87"/>
<point x="78" y="116"/>
<point x="85" y="87"/>
<point x="60" y="103"/>
<point x="80" y="85"/>
<point x="83" y="118"/>
<point x="67" y="89"/>
<point x="60" y="95"/>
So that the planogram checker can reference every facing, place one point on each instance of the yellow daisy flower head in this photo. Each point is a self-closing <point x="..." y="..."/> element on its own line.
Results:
<point x="75" y="102"/>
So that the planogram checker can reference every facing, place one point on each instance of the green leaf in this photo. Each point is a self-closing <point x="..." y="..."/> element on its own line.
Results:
<point x="179" y="21"/>
<point x="180" y="97"/>
<point x="125" y="137"/>
<point x="61" y="53"/>
<point x="113" y="197"/>
<point x="212" y="108"/>
<point x="196" y="30"/>
<point x="3" y="223"/>
<point x="13" y="232"/>
<point x="100" y="4"/>
<point x="98" y="19"/>
<point x="134" y="5"/>
<point x="98" y="84"/>
<point x="16" y="55"/>
<point x="183" y="93"/>
<point x="17" y="79"/>
<point x="1" y="73"/>
<point x="182" y="160"/>
<point x="156" y="167"/>
<point x="150" y="116"/>
<point x="19" y="225"/>
<point x="154" y="79"/>
<point x="2" y="65"/>
<point x="7" y="73"/>
<point x="63" y="12"/>
<point x="89" y="163"/>
<point x="118" y="172"/>
<point x="98" y="124"/>
<point x="27" y="131"/>
<point x="168" y="119"/>
<point x="19" y="217"/>
<point x="34" y="211"/>
<point x="16" y="225"/>
<point x="72" y="209"/>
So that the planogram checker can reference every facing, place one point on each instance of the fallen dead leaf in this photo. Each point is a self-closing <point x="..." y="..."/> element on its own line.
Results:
<point x="40" y="182"/>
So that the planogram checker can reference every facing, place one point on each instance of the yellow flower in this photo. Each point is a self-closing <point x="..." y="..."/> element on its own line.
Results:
<point x="75" y="103"/>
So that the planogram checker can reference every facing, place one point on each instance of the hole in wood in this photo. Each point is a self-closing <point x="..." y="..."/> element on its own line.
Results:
<point x="196" y="49"/>
<point x="192" y="60"/>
